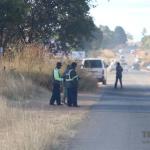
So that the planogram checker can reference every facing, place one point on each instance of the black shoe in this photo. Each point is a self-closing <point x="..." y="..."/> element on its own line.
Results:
<point x="59" y="104"/>
<point x="52" y="104"/>
<point x="76" y="106"/>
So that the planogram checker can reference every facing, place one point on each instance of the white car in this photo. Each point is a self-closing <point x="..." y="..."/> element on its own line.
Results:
<point x="132" y="51"/>
<point x="148" y="67"/>
<point x="96" y="67"/>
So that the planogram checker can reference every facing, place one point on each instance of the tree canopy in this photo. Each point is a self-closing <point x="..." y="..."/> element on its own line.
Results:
<point x="12" y="14"/>
<point x="146" y="42"/>
<point x="34" y="20"/>
<point x="120" y="36"/>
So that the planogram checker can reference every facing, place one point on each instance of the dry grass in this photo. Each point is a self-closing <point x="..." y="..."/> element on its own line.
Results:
<point x="15" y="86"/>
<point x="32" y="124"/>
<point x="30" y="68"/>
<point x="87" y="83"/>
<point x="44" y="128"/>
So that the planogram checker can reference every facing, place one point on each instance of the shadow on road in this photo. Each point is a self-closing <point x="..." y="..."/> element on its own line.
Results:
<point x="129" y="99"/>
<point x="130" y="90"/>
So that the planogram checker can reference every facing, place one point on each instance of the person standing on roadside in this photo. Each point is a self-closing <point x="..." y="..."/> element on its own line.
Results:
<point x="72" y="85"/>
<point x="57" y="80"/>
<point x="119" y="71"/>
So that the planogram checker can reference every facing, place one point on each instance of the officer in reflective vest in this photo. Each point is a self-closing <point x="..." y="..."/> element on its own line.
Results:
<point x="72" y="85"/>
<point x="56" y="85"/>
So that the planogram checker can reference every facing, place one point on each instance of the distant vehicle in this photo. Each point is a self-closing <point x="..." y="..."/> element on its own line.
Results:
<point x="122" y="59"/>
<point x="132" y="51"/>
<point x="148" y="67"/>
<point x="136" y="66"/>
<point x="120" y="51"/>
<point x="137" y="60"/>
<point x="96" y="67"/>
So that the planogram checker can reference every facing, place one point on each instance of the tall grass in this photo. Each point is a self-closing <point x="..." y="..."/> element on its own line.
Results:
<point x="27" y="70"/>
<point x="15" y="86"/>
<point x="30" y="68"/>
<point x="87" y="83"/>
<point x="24" y="126"/>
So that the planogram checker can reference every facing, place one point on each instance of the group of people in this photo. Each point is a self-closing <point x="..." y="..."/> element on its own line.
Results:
<point x="69" y="80"/>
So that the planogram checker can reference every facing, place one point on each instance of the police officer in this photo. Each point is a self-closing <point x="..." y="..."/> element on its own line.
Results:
<point x="72" y="85"/>
<point x="119" y="71"/>
<point x="56" y="85"/>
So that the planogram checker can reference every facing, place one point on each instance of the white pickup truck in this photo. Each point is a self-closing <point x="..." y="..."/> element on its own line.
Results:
<point x="96" y="67"/>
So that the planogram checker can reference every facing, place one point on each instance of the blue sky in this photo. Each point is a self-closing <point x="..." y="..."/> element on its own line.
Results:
<point x="132" y="15"/>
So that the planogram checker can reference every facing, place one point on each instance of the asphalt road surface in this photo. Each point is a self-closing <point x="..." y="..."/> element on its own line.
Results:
<point x="121" y="118"/>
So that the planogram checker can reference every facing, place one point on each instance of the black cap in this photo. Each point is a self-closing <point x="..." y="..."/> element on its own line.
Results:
<point x="118" y="63"/>
<point x="59" y="64"/>
<point x="74" y="64"/>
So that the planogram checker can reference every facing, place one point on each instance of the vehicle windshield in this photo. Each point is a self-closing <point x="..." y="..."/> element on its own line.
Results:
<point x="93" y="64"/>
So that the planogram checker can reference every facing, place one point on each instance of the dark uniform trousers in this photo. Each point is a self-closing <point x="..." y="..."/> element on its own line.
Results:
<point x="72" y="96"/>
<point x="55" y="94"/>
<point x="120" y="80"/>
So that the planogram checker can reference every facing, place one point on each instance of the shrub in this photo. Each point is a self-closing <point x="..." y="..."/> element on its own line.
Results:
<point x="87" y="83"/>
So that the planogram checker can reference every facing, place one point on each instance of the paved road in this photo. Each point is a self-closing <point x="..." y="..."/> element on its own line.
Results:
<point x="121" y="118"/>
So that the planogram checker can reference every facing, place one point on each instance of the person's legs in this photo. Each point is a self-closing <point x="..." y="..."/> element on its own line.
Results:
<point x="57" y="92"/>
<point x="116" y="82"/>
<point x="64" y="95"/>
<point x="53" y="97"/>
<point x="69" y="96"/>
<point x="120" y="79"/>
<point x="72" y="94"/>
<point x="74" y="97"/>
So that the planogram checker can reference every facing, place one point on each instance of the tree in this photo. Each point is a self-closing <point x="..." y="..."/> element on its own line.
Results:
<point x="107" y="41"/>
<point x="11" y="16"/>
<point x="95" y="41"/>
<point x="146" y="42"/>
<point x="120" y="36"/>
<point x="144" y="31"/>
<point x="65" y="20"/>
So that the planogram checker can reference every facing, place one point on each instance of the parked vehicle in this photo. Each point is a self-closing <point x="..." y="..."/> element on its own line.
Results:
<point x="96" y="67"/>
<point x="136" y="66"/>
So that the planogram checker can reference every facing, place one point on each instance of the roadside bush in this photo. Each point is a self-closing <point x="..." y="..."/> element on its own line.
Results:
<point x="87" y="83"/>
<point x="33" y="67"/>
<point x="15" y="86"/>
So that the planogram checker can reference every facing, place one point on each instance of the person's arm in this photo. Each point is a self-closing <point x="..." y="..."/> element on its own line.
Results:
<point x="121" y="69"/>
